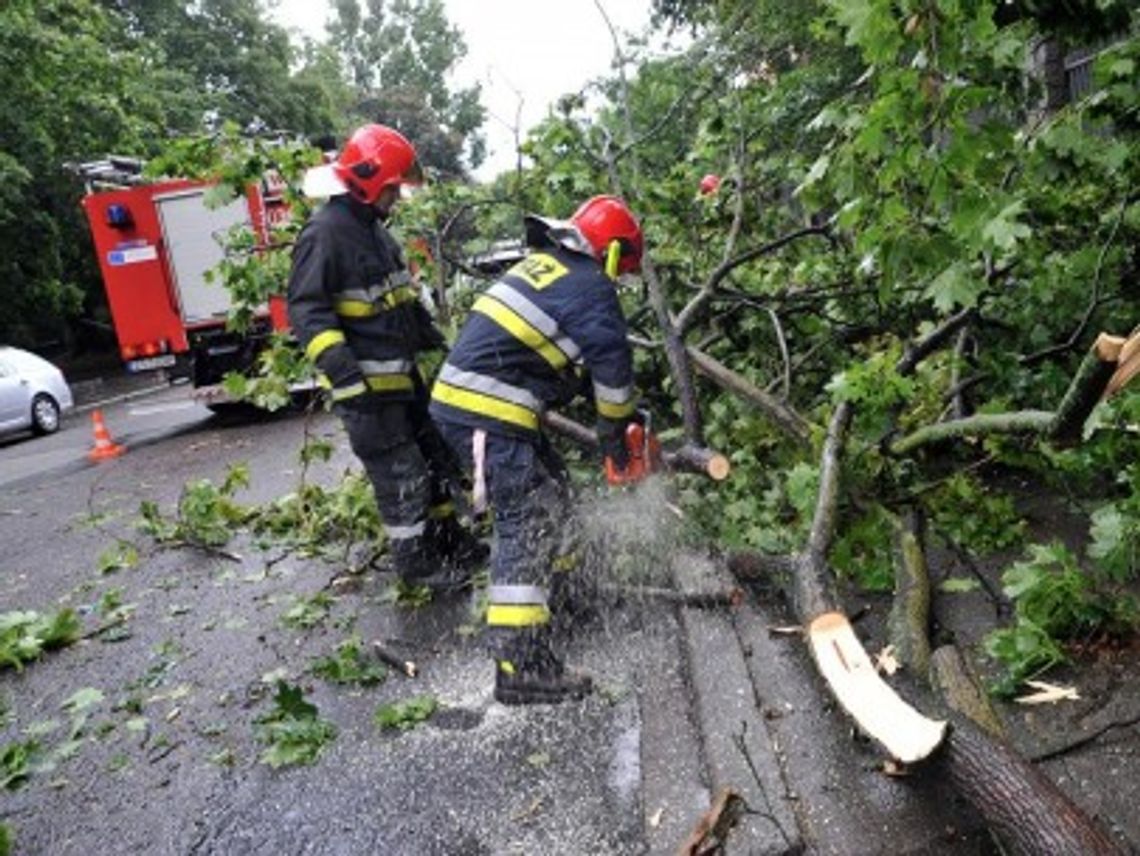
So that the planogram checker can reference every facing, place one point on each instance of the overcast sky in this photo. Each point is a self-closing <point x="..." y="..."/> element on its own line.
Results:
<point x="539" y="49"/>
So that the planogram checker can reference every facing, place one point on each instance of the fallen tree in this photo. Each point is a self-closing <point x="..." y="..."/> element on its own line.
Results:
<point x="1022" y="807"/>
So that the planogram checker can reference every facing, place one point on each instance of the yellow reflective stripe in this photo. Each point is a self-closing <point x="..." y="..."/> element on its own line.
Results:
<point x="354" y="309"/>
<point x="485" y="405"/>
<point x="350" y="308"/>
<point x="322" y="342"/>
<point x="615" y="411"/>
<point x="521" y="329"/>
<point x="517" y="615"/>
<point x="442" y="510"/>
<point x="388" y="383"/>
<point x="339" y="393"/>
<point x="506" y="667"/>
<point x="399" y="295"/>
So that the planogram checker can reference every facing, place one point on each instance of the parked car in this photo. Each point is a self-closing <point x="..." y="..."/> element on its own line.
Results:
<point x="33" y="393"/>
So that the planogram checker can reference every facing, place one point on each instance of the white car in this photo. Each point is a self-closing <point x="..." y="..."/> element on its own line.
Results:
<point x="33" y="393"/>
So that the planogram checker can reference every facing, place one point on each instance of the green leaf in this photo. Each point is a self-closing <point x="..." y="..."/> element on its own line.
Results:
<point x="405" y="714"/>
<point x="349" y="665"/>
<point x="83" y="699"/>
<point x="16" y="763"/>
<point x="955" y="287"/>
<point x="293" y="731"/>
<point x="121" y="556"/>
<point x="1004" y="230"/>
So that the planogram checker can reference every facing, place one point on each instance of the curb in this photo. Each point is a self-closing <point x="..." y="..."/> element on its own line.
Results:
<point x="80" y="409"/>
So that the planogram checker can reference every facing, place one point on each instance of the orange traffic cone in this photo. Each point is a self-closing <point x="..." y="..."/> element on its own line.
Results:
<point x="104" y="448"/>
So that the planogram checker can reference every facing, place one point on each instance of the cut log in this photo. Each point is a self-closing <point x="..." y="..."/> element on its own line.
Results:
<point x="695" y="459"/>
<point x="904" y="732"/>
<point x="407" y="668"/>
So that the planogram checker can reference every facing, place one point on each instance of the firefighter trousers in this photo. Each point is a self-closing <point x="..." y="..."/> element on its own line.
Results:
<point x="529" y="495"/>
<point x="410" y="468"/>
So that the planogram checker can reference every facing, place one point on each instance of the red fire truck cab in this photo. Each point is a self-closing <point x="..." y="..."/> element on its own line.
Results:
<point x="155" y="243"/>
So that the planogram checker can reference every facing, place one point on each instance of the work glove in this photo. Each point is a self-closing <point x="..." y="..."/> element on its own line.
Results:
<point x="339" y="365"/>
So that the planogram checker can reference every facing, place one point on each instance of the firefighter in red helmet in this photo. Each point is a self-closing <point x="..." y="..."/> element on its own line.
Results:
<point x="358" y="315"/>
<point x="517" y="354"/>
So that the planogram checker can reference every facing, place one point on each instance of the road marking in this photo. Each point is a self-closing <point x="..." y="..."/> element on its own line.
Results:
<point x="162" y="408"/>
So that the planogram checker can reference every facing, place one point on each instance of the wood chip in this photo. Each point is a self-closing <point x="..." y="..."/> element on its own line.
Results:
<point x="1048" y="694"/>
<point x="886" y="661"/>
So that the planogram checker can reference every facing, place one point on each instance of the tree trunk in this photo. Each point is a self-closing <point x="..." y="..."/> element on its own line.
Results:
<point x="1020" y="804"/>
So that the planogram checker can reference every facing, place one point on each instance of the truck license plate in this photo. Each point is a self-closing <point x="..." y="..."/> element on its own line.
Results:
<point x="159" y="362"/>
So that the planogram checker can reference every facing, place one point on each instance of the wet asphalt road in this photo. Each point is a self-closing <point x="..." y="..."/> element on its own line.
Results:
<point x="165" y="759"/>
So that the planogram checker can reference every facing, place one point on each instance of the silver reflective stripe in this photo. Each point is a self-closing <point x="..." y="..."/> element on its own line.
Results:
<point x="517" y="595"/>
<point x="402" y="533"/>
<point x="394" y="280"/>
<point x="489" y="386"/>
<point x="612" y="394"/>
<point x="538" y="319"/>
<point x="355" y="294"/>
<point x="340" y="392"/>
<point x="377" y="367"/>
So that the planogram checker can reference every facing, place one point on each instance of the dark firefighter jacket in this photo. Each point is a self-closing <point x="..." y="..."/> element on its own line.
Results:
<point x="353" y="306"/>
<point x="526" y="335"/>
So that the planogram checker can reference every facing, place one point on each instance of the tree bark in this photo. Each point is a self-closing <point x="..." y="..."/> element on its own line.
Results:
<point x="1063" y="425"/>
<point x="1020" y="804"/>
<point x="909" y="621"/>
<point x="958" y="688"/>
<point x="782" y="415"/>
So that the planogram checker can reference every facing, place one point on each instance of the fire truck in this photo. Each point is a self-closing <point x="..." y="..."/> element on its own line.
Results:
<point x="155" y="242"/>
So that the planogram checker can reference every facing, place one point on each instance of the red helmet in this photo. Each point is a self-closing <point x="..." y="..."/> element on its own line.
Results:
<point x="604" y="219"/>
<point x="376" y="157"/>
<point x="710" y="184"/>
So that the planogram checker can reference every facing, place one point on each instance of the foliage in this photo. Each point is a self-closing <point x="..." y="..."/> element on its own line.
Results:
<point x="315" y="518"/>
<point x="1115" y="531"/>
<point x="407" y="714"/>
<point x="24" y="635"/>
<point x="206" y="516"/>
<point x="6" y="839"/>
<point x="349" y="665"/>
<point x="399" y="56"/>
<point x="17" y="761"/>
<point x="971" y="512"/>
<point x="123" y="555"/>
<point x="292" y="731"/>
<point x="1054" y="601"/>
<point x="307" y="612"/>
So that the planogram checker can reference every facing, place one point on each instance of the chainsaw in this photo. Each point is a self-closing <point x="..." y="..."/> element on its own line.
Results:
<point x="643" y="450"/>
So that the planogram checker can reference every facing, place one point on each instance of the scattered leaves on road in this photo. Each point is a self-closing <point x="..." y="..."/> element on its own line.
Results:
<point x="404" y="715"/>
<point x="293" y="732"/>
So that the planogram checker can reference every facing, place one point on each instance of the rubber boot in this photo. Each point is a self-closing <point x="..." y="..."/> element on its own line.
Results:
<point x="416" y="563"/>
<point x="456" y="545"/>
<point x="538" y="677"/>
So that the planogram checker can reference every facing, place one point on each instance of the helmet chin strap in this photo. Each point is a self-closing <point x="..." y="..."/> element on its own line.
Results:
<point x="613" y="256"/>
